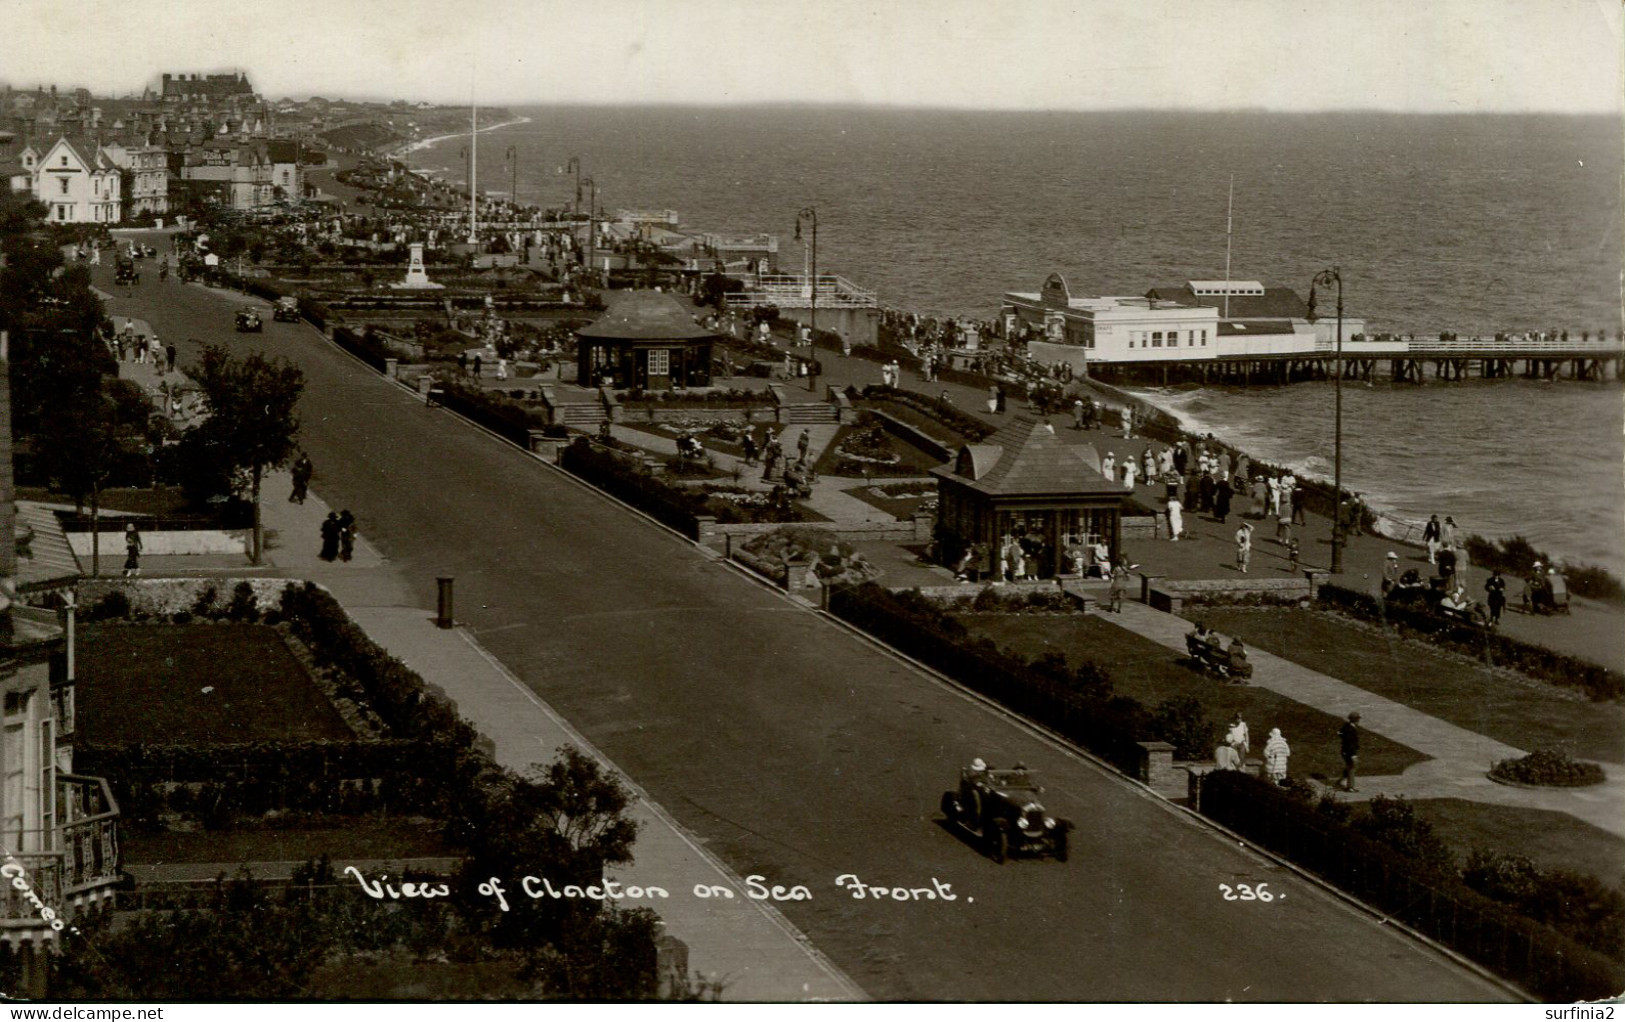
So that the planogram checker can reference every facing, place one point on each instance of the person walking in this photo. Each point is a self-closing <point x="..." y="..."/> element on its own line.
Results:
<point x="1114" y="593"/>
<point x="1390" y="573"/>
<point x="1176" y="519"/>
<point x="1348" y="737"/>
<point x="1300" y="514"/>
<point x="346" y="535"/>
<point x="1283" y="521"/>
<point x="1244" y="547"/>
<point x="1430" y="536"/>
<point x="750" y="448"/>
<point x="330" y="537"/>
<point x="132" y="551"/>
<point x="1276" y="753"/>
<point x="1238" y="739"/>
<point x="302" y="471"/>
<point x="170" y="360"/>
<point x="1221" y="500"/>
<point x="803" y="443"/>
<point x="1077" y="414"/>
<point x="1496" y="587"/>
<point x="1108" y="466"/>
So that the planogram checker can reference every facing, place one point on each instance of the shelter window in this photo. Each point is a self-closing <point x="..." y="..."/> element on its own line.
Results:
<point x="659" y="362"/>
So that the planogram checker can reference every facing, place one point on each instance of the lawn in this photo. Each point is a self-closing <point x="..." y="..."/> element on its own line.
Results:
<point x="335" y="837"/>
<point x="196" y="684"/>
<point x="1151" y="673"/>
<point x="896" y="506"/>
<point x="1524" y="714"/>
<point x="1550" y="839"/>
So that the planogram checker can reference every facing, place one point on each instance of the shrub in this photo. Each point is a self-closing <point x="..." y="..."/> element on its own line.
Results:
<point x="1551" y="768"/>
<point x="1182" y="723"/>
<point x="113" y="606"/>
<point x="1394" y="823"/>
<point x="244" y="605"/>
<point x="204" y="606"/>
<point x="1585" y="908"/>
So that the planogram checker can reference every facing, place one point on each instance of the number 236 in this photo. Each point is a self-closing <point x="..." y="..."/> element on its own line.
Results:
<point x="1246" y="892"/>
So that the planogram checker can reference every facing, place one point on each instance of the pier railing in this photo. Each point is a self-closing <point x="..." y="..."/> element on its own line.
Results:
<point x="1513" y="345"/>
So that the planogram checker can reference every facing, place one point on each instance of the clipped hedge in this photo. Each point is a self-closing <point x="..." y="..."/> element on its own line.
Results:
<point x="1545" y="961"/>
<point x="1076" y="704"/>
<point x="508" y="419"/>
<point x="1598" y="682"/>
<point x="675" y="506"/>
<point x="362" y="346"/>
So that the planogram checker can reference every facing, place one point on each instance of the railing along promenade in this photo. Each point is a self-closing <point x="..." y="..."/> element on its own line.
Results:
<point x="82" y="854"/>
<point x="794" y="290"/>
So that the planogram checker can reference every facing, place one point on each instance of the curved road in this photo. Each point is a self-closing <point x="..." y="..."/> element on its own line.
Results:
<point x="796" y="750"/>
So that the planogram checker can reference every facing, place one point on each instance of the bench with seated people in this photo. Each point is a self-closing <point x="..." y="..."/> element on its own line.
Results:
<point x="1207" y="649"/>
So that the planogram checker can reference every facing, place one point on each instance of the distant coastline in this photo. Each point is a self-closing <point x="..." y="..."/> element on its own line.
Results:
<point x="426" y="143"/>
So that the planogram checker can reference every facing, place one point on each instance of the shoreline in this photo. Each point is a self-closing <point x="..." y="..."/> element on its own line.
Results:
<point x="1385" y="521"/>
<point x="421" y="144"/>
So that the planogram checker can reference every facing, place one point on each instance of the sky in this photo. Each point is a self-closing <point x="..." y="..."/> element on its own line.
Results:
<point x="1424" y="56"/>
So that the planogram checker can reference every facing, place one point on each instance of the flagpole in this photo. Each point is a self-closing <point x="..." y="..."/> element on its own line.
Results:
<point x="1229" y="209"/>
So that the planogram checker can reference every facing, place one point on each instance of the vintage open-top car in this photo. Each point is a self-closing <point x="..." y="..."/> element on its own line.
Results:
<point x="286" y="310"/>
<point x="1001" y="808"/>
<point x="124" y="272"/>
<point x="248" y="320"/>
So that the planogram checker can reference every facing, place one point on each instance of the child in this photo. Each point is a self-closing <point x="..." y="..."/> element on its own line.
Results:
<point x="1292" y="552"/>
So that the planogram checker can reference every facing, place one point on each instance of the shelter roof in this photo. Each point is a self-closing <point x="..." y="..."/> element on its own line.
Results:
<point x="646" y="315"/>
<point x="1025" y="457"/>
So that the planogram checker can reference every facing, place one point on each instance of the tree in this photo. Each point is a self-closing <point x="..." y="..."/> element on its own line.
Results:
<point x="251" y="423"/>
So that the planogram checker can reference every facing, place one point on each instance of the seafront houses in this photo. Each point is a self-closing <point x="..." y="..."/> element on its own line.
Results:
<point x="237" y="176"/>
<point x="146" y="177"/>
<point x="75" y="179"/>
<point x="1194" y="321"/>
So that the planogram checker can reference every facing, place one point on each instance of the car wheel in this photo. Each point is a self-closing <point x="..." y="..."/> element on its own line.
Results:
<point x="998" y="844"/>
<point x="1060" y="846"/>
<point x="950" y="807"/>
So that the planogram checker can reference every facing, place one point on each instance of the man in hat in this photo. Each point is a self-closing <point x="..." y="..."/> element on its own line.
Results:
<point x="1349" y="740"/>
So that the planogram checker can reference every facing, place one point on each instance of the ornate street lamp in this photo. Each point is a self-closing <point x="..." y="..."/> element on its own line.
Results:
<point x="810" y="214"/>
<point x="1326" y="278"/>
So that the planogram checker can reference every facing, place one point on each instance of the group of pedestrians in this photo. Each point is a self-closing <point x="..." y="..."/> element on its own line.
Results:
<point x="1232" y="754"/>
<point x="338" y="536"/>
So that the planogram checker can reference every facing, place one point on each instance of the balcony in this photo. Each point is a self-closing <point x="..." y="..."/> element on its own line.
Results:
<point x="79" y="867"/>
<point x="795" y="291"/>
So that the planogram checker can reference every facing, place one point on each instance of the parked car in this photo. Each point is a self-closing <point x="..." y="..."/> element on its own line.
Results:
<point x="125" y="272"/>
<point x="286" y="310"/>
<point x="1001" y="809"/>
<point x="248" y="320"/>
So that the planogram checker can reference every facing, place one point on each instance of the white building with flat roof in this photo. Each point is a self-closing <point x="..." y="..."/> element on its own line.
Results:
<point x="1195" y="321"/>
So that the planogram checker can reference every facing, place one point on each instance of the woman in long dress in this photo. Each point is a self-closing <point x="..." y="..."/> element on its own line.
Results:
<point x="1130" y="470"/>
<point x="1108" y="465"/>
<point x="1176" y="519"/>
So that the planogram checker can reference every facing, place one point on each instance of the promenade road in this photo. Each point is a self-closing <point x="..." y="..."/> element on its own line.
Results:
<point x="798" y="751"/>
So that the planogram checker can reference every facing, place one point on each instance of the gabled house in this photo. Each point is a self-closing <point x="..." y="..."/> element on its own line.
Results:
<point x="77" y="182"/>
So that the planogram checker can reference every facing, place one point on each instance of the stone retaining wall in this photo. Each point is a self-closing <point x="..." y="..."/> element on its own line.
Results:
<point x="165" y="596"/>
<point x="916" y="531"/>
<point x="1171" y="594"/>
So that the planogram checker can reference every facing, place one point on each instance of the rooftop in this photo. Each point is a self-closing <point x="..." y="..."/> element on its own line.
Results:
<point x="1025" y="457"/>
<point x="646" y="315"/>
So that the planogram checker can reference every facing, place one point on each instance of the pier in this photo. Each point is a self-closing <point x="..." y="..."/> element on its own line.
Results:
<point x="1397" y="361"/>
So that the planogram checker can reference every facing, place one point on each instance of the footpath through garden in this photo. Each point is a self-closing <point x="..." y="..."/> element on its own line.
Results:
<point x="1460" y="759"/>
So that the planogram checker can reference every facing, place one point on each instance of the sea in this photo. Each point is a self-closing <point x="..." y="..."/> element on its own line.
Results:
<point x="1467" y="223"/>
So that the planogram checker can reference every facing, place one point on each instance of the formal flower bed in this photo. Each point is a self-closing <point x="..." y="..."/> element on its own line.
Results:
<point x="834" y="563"/>
<point x="1547" y="768"/>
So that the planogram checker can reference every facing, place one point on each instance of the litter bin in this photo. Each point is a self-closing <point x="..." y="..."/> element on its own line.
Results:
<point x="444" y="616"/>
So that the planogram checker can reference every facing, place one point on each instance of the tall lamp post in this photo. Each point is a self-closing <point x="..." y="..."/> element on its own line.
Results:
<point x="1326" y="278"/>
<point x="810" y="215"/>
<point x="513" y="181"/>
<point x="592" y="224"/>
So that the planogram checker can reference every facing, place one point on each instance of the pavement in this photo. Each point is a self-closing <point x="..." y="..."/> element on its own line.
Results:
<point x="782" y="743"/>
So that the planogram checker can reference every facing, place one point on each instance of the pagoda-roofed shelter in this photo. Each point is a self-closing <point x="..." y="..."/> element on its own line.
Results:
<point x="1024" y="484"/>
<point x="646" y="339"/>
